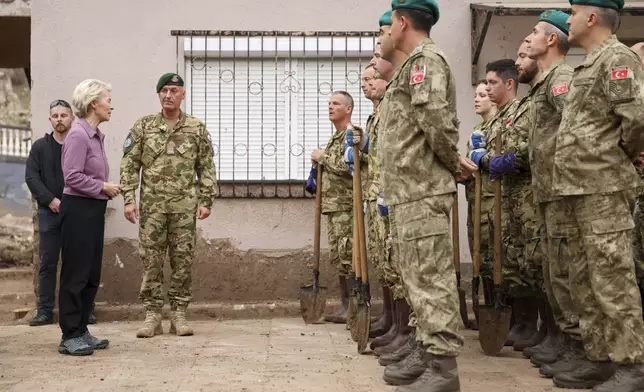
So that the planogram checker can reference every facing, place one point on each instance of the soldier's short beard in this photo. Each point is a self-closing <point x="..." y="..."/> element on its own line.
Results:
<point x="529" y="75"/>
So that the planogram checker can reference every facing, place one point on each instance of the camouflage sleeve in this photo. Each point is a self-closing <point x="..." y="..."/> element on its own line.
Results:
<point x="520" y="133"/>
<point x="558" y="89"/>
<point x="206" y="170"/>
<point x="333" y="161"/>
<point x="131" y="162"/>
<point x="624" y="88"/>
<point x="434" y="114"/>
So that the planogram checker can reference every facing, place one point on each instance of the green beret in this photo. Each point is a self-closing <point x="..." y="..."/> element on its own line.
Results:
<point x="169" y="79"/>
<point x="556" y="18"/>
<point x="613" y="4"/>
<point x="385" y="19"/>
<point x="420" y="5"/>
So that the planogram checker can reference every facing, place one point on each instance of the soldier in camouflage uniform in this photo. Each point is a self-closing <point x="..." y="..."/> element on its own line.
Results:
<point x="638" y="239"/>
<point x="485" y="108"/>
<point x="548" y="44"/>
<point x="171" y="149"/>
<point x="600" y="136"/>
<point x="419" y="164"/>
<point x="337" y="198"/>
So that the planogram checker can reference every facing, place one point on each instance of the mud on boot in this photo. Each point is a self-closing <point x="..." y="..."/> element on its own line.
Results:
<point x="441" y="375"/>
<point x="586" y="376"/>
<point x="151" y="325"/>
<point x="627" y="378"/>
<point x="408" y="370"/>
<point x="179" y="324"/>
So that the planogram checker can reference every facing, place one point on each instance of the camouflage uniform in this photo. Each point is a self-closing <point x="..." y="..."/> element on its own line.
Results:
<point x="419" y="162"/>
<point x="546" y="106"/>
<point x="487" y="207"/>
<point x="337" y="203"/>
<point x="171" y="160"/>
<point x="601" y="134"/>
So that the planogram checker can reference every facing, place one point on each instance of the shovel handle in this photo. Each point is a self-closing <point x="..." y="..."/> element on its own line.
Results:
<point x="497" y="216"/>
<point x="476" y="257"/>
<point x="355" y="252"/>
<point x="318" y="219"/>
<point x="456" y="243"/>
<point x="362" y="246"/>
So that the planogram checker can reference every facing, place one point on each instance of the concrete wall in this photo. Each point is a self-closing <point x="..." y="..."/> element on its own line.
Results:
<point x="129" y="44"/>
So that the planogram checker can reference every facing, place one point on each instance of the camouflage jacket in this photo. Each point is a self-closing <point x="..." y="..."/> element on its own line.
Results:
<point x="371" y="187"/>
<point x="499" y="122"/>
<point x="515" y="139"/>
<point x="602" y="126"/>
<point x="177" y="169"/>
<point x="337" y="182"/>
<point x="418" y="151"/>
<point x="487" y="188"/>
<point x="546" y="106"/>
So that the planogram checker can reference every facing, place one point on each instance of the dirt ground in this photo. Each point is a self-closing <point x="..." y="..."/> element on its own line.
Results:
<point x="241" y="355"/>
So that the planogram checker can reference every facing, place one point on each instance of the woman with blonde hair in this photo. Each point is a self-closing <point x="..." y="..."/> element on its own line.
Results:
<point x="85" y="195"/>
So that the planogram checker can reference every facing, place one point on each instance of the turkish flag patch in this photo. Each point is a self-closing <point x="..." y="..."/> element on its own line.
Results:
<point x="508" y="122"/>
<point x="619" y="73"/>
<point x="417" y="75"/>
<point x="560" y="89"/>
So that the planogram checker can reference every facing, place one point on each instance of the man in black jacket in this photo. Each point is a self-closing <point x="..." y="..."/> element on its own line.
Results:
<point x="44" y="177"/>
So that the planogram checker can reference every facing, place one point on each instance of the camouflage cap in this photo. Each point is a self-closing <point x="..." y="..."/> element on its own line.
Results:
<point x="385" y="19"/>
<point x="613" y="4"/>
<point x="556" y="18"/>
<point x="169" y="79"/>
<point x="429" y="6"/>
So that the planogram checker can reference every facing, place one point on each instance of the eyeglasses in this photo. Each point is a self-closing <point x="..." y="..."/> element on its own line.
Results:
<point x="59" y="102"/>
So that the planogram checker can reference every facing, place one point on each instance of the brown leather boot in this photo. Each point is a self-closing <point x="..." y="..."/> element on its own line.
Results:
<point x="537" y="308"/>
<point x="340" y="316"/>
<point x="403" y="332"/>
<point x="552" y="334"/>
<point x="383" y="324"/>
<point x="441" y="375"/>
<point x="385" y="339"/>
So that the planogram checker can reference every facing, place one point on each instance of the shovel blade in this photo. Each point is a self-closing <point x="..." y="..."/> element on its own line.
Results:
<point x="352" y="314"/>
<point x="494" y="325"/>
<point x="312" y="304"/>
<point x="363" y="323"/>
<point x="463" y="308"/>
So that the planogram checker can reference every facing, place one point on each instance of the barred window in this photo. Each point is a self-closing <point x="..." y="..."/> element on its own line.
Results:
<point x="264" y="97"/>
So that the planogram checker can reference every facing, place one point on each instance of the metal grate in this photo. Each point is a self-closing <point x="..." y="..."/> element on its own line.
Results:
<point x="264" y="95"/>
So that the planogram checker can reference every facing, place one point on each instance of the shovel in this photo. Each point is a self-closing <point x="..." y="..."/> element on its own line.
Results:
<point x="363" y="318"/>
<point x="457" y="263"/>
<point x="313" y="297"/>
<point x="476" y="257"/>
<point x="352" y="312"/>
<point x="495" y="319"/>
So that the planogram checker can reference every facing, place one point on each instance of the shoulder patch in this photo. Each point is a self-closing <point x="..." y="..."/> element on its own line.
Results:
<point x="508" y="122"/>
<point x="417" y="74"/>
<point x="621" y="72"/>
<point x="127" y="145"/>
<point x="560" y="89"/>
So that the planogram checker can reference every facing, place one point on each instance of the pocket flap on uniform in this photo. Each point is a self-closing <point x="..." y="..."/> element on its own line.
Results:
<point x="613" y="225"/>
<point x="424" y="227"/>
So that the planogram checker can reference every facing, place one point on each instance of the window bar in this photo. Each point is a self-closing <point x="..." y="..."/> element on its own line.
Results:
<point x="261" y="73"/>
<point x="319" y="92"/>
<point x="219" y="131"/>
<point x="248" y="122"/>
<point x="276" y="88"/>
<point x="234" y="108"/>
<point x="290" y="113"/>
<point x="303" y="111"/>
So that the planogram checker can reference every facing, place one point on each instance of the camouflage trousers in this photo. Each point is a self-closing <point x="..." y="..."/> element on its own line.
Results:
<point x="602" y="275"/>
<point x="380" y="250"/>
<point x="340" y="237"/>
<point x="638" y="239"/>
<point x="486" y="252"/>
<point x="520" y="228"/>
<point x="556" y="265"/>
<point x="175" y="234"/>
<point x="423" y="233"/>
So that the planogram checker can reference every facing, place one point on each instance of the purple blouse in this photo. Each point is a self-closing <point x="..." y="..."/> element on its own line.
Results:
<point x="84" y="162"/>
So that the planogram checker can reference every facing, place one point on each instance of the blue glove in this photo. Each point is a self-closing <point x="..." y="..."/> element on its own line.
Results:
<point x="477" y="140"/>
<point x="311" y="182"/>
<point x="383" y="210"/>
<point x="477" y="155"/>
<point x="502" y="164"/>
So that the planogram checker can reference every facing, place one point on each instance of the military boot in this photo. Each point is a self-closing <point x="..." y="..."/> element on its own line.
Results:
<point x="151" y="325"/>
<point x="627" y="378"/>
<point x="179" y="324"/>
<point x="552" y="335"/>
<point x="404" y="330"/>
<point x="401" y="353"/>
<point x="586" y="376"/>
<point x="408" y="370"/>
<point x="385" y="339"/>
<point x="563" y="344"/>
<point x="440" y="375"/>
<point x="536" y="308"/>
<point x="569" y="361"/>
